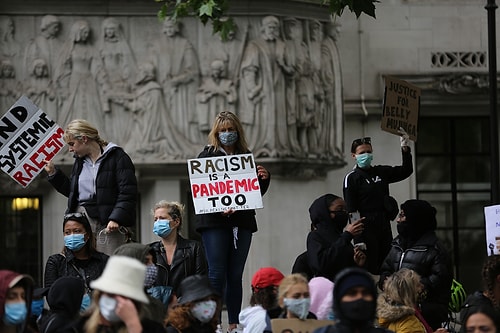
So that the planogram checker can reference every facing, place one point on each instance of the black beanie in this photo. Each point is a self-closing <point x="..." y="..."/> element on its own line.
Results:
<point x="420" y="214"/>
<point x="353" y="277"/>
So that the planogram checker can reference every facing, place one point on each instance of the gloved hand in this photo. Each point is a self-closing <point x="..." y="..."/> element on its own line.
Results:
<point x="404" y="138"/>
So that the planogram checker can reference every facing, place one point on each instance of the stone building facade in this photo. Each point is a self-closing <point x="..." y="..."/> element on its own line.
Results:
<point x="304" y="87"/>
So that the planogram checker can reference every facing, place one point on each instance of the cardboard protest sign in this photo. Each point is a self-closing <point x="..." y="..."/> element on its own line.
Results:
<point x="27" y="137"/>
<point x="296" y="325"/>
<point x="492" y="223"/>
<point x="224" y="182"/>
<point x="401" y="107"/>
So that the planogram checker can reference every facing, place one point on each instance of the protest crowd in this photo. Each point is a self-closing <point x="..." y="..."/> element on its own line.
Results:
<point x="354" y="276"/>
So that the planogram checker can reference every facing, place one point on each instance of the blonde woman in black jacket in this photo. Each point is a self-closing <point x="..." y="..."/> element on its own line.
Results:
<point x="174" y="256"/>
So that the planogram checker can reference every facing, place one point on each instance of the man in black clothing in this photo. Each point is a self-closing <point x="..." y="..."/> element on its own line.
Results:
<point x="366" y="190"/>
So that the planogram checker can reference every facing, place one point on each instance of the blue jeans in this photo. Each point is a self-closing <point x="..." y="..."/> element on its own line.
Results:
<point x="226" y="264"/>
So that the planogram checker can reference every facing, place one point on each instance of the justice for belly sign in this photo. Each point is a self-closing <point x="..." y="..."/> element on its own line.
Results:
<point x="224" y="182"/>
<point x="27" y="137"/>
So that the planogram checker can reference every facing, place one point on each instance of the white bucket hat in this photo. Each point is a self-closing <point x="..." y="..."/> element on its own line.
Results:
<point x="123" y="276"/>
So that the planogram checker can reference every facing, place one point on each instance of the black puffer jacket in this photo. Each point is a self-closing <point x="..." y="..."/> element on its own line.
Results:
<point x="116" y="188"/>
<point x="430" y="260"/>
<point x="189" y="259"/>
<point x="66" y="264"/>
<point x="241" y="218"/>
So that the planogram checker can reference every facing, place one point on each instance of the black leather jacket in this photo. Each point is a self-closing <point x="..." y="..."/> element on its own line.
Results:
<point x="189" y="259"/>
<point x="67" y="265"/>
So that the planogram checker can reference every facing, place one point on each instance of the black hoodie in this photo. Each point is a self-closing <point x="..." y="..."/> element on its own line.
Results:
<point x="64" y="299"/>
<point x="329" y="248"/>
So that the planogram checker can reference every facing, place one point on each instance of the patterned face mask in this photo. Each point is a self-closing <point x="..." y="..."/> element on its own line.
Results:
<point x="204" y="311"/>
<point x="228" y="138"/>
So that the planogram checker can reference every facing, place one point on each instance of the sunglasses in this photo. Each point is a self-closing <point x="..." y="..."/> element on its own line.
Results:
<point x="73" y="215"/>
<point x="361" y="141"/>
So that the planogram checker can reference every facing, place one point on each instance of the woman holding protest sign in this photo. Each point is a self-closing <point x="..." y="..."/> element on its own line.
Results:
<point x="227" y="235"/>
<point x="102" y="184"/>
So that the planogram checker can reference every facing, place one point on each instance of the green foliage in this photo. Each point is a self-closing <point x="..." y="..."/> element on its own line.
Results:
<point x="215" y="11"/>
<point x="336" y="7"/>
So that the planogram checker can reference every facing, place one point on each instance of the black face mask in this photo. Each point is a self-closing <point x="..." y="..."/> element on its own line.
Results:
<point x="340" y="220"/>
<point x="404" y="229"/>
<point x="359" y="311"/>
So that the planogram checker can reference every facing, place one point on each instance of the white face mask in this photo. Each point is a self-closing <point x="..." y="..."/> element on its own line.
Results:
<point x="204" y="311"/>
<point x="298" y="306"/>
<point x="107" y="306"/>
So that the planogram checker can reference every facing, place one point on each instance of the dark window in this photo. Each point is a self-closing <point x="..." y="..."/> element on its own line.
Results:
<point x="21" y="236"/>
<point x="453" y="174"/>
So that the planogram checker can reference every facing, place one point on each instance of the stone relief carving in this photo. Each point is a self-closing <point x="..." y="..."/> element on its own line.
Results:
<point x="47" y="45"/>
<point x="40" y="89"/>
<point x="81" y="77"/>
<point x="179" y="76"/>
<point x="332" y="131"/>
<point x="10" y="87"/>
<point x="263" y="107"/>
<point x="216" y="94"/>
<point x="151" y="121"/>
<point x="280" y="75"/>
<point x="120" y="67"/>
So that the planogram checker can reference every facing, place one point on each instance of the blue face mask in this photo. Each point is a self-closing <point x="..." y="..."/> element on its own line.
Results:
<point x="364" y="160"/>
<point x="85" y="302"/>
<point x="161" y="228"/>
<point x="15" y="313"/>
<point x="37" y="307"/>
<point x="74" y="242"/>
<point x="228" y="138"/>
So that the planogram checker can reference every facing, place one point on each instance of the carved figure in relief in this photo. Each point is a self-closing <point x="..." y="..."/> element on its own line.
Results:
<point x="47" y="45"/>
<point x="299" y="89"/>
<point x="121" y="69"/>
<point x="178" y="69"/>
<point x="10" y="48"/>
<point x="313" y="123"/>
<point x="230" y="52"/>
<point x="262" y="91"/>
<point x="40" y="89"/>
<point x="152" y="132"/>
<point x="331" y="135"/>
<point x="80" y="75"/>
<point x="216" y="94"/>
<point x="10" y="87"/>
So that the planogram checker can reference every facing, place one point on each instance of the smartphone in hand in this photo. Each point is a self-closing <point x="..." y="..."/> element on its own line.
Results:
<point x="361" y="246"/>
<point x="354" y="216"/>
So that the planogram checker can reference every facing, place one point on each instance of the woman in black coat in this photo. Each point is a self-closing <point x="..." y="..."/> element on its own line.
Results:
<point x="227" y="235"/>
<point x="417" y="248"/>
<point x="102" y="184"/>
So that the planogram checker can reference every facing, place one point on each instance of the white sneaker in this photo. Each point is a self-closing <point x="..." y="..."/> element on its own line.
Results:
<point x="235" y="330"/>
<point x="219" y="329"/>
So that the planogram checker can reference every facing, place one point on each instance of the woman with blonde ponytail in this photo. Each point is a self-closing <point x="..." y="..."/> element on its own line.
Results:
<point x="102" y="184"/>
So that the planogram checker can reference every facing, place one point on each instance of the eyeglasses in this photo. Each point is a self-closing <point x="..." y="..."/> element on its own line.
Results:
<point x="73" y="215"/>
<point x="360" y="141"/>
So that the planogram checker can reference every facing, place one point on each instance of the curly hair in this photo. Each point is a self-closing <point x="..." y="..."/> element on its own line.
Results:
<point x="403" y="287"/>
<point x="489" y="273"/>
<point x="265" y="297"/>
<point x="181" y="318"/>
